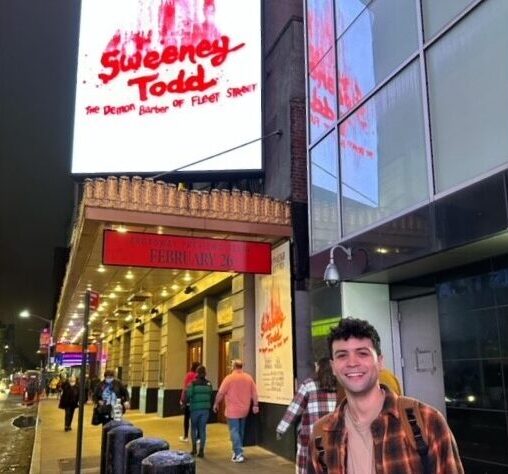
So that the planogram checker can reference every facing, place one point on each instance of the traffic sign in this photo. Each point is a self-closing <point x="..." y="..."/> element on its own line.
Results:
<point x="93" y="300"/>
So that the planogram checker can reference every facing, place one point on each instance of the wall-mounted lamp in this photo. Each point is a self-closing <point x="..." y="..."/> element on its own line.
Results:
<point x="331" y="276"/>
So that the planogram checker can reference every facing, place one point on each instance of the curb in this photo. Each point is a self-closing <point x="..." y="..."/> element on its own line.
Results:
<point x="35" y="462"/>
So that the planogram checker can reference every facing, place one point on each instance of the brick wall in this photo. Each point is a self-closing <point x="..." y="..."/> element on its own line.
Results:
<point x="298" y="151"/>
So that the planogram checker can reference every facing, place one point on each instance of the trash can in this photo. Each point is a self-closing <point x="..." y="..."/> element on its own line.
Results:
<point x="139" y="449"/>
<point x="169" y="462"/>
<point x="115" y="447"/>
<point x="105" y="429"/>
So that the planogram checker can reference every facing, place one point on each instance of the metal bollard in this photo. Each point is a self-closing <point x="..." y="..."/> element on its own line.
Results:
<point x="115" y="447"/>
<point x="139" y="449"/>
<point x="169" y="462"/>
<point x="105" y="430"/>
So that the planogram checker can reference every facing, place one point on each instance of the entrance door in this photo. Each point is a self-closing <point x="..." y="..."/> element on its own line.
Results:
<point x="224" y="368"/>
<point x="194" y="352"/>
<point x="420" y="342"/>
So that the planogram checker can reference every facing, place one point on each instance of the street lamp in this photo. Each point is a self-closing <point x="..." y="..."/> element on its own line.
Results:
<point x="26" y="314"/>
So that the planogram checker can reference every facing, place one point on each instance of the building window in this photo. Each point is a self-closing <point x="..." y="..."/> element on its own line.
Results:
<point x="436" y="13"/>
<point x="473" y="317"/>
<point x="324" y="193"/>
<point x="372" y="47"/>
<point x="322" y="97"/>
<point x="382" y="154"/>
<point x="468" y="74"/>
<point x="346" y="11"/>
<point x="320" y="37"/>
<point x="325" y="308"/>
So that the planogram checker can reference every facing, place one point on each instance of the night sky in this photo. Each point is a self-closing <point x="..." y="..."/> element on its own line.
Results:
<point x="38" y="47"/>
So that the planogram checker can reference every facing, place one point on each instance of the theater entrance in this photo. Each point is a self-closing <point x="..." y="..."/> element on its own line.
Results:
<point x="224" y="367"/>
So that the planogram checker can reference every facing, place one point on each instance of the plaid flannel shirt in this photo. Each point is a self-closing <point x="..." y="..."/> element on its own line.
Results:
<point x="310" y="404"/>
<point x="392" y="451"/>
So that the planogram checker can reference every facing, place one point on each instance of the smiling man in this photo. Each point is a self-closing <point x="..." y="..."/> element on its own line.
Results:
<point x="366" y="434"/>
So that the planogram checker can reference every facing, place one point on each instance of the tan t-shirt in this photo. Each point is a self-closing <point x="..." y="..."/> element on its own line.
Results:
<point x="360" y="446"/>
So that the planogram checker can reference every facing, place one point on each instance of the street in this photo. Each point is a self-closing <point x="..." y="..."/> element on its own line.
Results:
<point x="15" y="443"/>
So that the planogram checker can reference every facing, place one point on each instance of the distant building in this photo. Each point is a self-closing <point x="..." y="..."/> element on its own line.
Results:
<point x="6" y="347"/>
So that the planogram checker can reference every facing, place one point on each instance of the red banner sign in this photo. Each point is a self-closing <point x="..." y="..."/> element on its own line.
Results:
<point x="44" y="339"/>
<point x="169" y="251"/>
<point x="94" y="300"/>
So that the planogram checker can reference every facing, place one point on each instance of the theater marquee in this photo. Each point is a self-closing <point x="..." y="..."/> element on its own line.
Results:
<point x="171" y="251"/>
<point x="164" y="83"/>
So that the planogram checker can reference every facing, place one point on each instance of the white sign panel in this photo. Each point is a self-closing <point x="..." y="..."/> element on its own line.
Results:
<point x="164" y="83"/>
<point x="274" y="341"/>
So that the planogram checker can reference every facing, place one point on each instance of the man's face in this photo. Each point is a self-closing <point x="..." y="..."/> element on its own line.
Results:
<point x="356" y="365"/>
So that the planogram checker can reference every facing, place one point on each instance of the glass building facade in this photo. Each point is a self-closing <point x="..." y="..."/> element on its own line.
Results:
<point x="473" y="318"/>
<point x="408" y="161"/>
<point x="406" y="103"/>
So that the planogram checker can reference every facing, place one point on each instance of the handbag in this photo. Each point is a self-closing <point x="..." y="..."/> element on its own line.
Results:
<point x="101" y="414"/>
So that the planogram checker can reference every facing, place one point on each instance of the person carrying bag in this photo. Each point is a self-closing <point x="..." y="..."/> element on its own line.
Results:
<point x="105" y="397"/>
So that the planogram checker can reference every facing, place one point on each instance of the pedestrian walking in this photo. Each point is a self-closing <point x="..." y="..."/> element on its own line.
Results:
<point x="69" y="401"/>
<point x="53" y="385"/>
<point x="373" y="429"/>
<point x="188" y="379"/>
<point x="107" y="394"/>
<point x="94" y="383"/>
<point x="199" y="397"/>
<point x="238" y="390"/>
<point x="46" y="386"/>
<point x="315" y="398"/>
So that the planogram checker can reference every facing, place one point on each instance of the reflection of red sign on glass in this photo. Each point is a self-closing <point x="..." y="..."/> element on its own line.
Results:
<point x="322" y="93"/>
<point x="321" y="63"/>
<point x="320" y="30"/>
<point x="171" y="251"/>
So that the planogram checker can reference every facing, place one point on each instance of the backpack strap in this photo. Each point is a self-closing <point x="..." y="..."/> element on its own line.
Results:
<point x="320" y="450"/>
<point x="412" y="424"/>
<point x="319" y="447"/>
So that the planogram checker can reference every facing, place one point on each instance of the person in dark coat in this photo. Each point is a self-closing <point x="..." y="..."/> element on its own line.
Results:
<point x="108" y="392"/>
<point x="69" y="400"/>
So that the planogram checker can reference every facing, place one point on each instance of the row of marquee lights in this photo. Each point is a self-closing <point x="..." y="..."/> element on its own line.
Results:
<point x="112" y="295"/>
<point x="104" y="305"/>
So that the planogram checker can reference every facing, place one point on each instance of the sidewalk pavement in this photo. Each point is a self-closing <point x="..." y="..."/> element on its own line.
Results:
<point x="55" y="449"/>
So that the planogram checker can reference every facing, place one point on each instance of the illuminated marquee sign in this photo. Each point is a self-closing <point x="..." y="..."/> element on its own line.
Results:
<point x="72" y="359"/>
<point x="164" y="83"/>
<point x="170" y="251"/>
<point x="62" y="347"/>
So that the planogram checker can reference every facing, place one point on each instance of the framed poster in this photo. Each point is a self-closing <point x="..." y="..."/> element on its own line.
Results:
<point x="274" y="331"/>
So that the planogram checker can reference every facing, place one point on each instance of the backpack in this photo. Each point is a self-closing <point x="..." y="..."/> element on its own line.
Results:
<point x="412" y="424"/>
